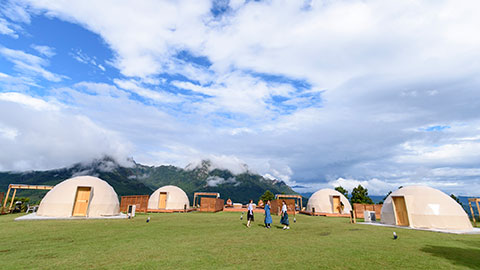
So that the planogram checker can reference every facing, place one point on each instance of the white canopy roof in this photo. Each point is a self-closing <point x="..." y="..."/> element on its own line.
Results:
<point x="176" y="198"/>
<point x="426" y="207"/>
<point x="322" y="201"/>
<point x="59" y="201"/>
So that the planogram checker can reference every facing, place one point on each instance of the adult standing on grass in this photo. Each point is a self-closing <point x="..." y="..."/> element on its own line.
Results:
<point x="250" y="213"/>
<point x="284" y="219"/>
<point x="268" y="216"/>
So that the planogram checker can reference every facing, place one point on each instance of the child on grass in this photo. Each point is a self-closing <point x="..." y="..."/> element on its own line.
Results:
<point x="250" y="213"/>
<point x="284" y="219"/>
<point x="268" y="216"/>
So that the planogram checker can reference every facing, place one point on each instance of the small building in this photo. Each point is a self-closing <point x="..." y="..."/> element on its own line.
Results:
<point x="82" y="196"/>
<point x="424" y="207"/>
<point x="168" y="198"/>
<point x="328" y="201"/>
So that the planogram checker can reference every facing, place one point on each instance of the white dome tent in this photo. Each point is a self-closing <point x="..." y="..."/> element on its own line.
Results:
<point x="328" y="201"/>
<point x="82" y="196"/>
<point x="168" y="198"/>
<point x="424" y="208"/>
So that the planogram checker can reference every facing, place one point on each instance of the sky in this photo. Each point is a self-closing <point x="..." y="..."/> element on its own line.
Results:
<point x="315" y="93"/>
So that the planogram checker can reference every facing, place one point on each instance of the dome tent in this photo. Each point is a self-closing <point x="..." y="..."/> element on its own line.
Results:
<point x="328" y="201"/>
<point x="424" y="207"/>
<point x="82" y="196"/>
<point x="168" y="198"/>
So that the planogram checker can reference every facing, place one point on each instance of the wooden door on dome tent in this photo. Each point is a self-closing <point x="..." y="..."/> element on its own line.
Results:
<point x="162" y="200"/>
<point x="336" y="204"/>
<point x="401" y="214"/>
<point x="82" y="199"/>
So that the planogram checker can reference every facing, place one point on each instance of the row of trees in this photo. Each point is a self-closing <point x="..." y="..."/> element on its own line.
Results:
<point x="359" y="194"/>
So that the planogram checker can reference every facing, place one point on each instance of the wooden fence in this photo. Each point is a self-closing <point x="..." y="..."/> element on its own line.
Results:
<point x="211" y="204"/>
<point x="140" y="202"/>
<point x="277" y="206"/>
<point x="359" y="208"/>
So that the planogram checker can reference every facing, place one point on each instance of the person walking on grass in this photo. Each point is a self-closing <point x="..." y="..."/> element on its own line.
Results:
<point x="268" y="216"/>
<point x="250" y="213"/>
<point x="284" y="219"/>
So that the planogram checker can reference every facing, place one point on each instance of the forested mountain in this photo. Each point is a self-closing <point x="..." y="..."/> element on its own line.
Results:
<point x="138" y="179"/>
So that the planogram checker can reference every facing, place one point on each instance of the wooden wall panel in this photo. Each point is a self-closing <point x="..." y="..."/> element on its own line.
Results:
<point x="140" y="202"/>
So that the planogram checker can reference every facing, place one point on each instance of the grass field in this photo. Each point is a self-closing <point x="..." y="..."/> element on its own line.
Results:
<point x="221" y="241"/>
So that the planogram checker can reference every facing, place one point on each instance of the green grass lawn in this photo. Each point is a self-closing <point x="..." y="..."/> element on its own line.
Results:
<point x="221" y="241"/>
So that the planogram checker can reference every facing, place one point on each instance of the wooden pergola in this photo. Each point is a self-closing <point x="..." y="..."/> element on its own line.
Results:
<point x="21" y="186"/>
<point x="197" y="194"/>
<point x="296" y="197"/>
<point x="476" y="200"/>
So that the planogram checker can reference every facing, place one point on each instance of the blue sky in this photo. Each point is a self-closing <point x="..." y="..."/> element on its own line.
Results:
<point x="315" y="93"/>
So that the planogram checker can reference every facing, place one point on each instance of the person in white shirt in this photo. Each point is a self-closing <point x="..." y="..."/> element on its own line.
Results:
<point x="284" y="219"/>
<point x="250" y="213"/>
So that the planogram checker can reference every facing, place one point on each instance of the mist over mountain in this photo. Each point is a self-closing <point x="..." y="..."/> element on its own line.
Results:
<point x="139" y="179"/>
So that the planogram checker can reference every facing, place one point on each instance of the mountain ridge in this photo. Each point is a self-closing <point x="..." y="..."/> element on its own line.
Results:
<point x="142" y="179"/>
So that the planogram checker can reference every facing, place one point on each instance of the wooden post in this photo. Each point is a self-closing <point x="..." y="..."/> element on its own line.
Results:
<point x="471" y="211"/>
<point x="13" y="197"/>
<point x="6" y="198"/>
<point x="478" y="208"/>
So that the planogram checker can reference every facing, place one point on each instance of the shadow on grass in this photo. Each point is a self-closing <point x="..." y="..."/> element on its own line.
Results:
<point x="469" y="257"/>
<point x="471" y="243"/>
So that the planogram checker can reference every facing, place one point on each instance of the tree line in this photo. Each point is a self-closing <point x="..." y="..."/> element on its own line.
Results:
<point x="359" y="194"/>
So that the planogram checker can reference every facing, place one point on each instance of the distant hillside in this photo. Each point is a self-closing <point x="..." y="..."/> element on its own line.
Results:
<point x="140" y="179"/>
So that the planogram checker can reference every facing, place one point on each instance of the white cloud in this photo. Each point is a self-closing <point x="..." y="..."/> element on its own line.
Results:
<point x="44" y="50"/>
<point x="376" y="72"/>
<point x="85" y="59"/>
<point x="448" y="154"/>
<point x="15" y="11"/>
<point x="8" y="133"/>
<point x="6" y="28"/>
<point x="16" y="83"/>
<point x="213" y="181"/>
<point x="140" y="34"/>
<point x="159" y="96"/>
<point x="222" y="162"/>
<point x="29" y="64"/>
<point x="11" y="14"/>
<point x="40" y="135"/>
<point x="374" y="186"/>
<point x="28" y="101"/>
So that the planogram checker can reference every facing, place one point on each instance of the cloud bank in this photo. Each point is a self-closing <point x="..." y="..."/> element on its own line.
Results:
<point x="314" y="93"/>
